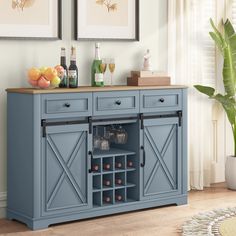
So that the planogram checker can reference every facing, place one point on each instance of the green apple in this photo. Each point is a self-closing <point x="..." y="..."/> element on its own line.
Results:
<point x="55" y="81"/>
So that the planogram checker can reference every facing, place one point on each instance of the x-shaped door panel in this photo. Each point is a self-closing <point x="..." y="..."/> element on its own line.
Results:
<point x="65" y="166"/>
<point x="160" y="159"/>
<point x="161" y="145"/>
<point x="65" y="170"/>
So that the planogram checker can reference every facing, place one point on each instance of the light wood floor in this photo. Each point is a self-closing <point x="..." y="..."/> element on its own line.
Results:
<point x="165" y="221"/>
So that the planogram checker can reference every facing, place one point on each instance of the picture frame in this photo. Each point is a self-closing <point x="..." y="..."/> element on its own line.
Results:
<point x="31" y="19"/>
<point x="95" y="21"/>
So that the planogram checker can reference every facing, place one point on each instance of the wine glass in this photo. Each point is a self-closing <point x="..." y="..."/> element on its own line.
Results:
<point x="121" y="136"/>
<point x="105" y="144"/>
<point x="96" y="139"/>
<point x="103" y="66"/>
<point x="110" y="133"/>
<point x="112" y="67"/>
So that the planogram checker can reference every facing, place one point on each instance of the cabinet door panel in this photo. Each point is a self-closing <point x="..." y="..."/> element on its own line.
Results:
<point x="65" y="175"/>
<point x="162" y="144"/>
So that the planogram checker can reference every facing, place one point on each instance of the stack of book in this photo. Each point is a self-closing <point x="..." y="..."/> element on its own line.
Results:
<point x="148" y="78"/>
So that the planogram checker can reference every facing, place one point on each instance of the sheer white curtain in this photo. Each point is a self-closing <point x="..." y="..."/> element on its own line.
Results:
<point x="231" y="11"/>
<point x="192" y="60"/>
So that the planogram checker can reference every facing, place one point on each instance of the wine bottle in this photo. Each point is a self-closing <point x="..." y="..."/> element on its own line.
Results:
<point x="96" y="72"/>
<point x="106" y="166"/>
<point x="107" y="199"/>
<point x="118" y="197"/>
<point x="64" y="77"/>
<point x="118" y="165"/>
<point x="119" y="181"/>
<point x="95" y="168"/>
<point x="73" y="70"/>
<point x="130" y="164"/>
<point x="107" y="183"/>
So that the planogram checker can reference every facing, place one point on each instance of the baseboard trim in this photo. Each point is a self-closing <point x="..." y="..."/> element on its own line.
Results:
<point x="3" y="204"/>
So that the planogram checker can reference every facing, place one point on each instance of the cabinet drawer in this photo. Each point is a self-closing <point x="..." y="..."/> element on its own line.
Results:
<point x="66" y="105"/>
<point x="160" y="100"/>
<point x="111" y="103"/>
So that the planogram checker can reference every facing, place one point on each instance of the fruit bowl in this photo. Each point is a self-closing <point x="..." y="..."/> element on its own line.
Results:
<point x="45" y="77"/>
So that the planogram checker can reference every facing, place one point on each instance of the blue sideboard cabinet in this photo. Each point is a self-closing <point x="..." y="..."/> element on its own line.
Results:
<point x="51" y="156"/>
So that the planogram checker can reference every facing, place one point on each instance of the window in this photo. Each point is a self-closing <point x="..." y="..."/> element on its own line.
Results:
<point x="204" y="51"/>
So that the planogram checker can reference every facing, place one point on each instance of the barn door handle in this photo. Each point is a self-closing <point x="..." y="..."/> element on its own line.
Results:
<point x="144" y="156"/>
<point x="91" y="160"/>
<point x="43" y="124"/>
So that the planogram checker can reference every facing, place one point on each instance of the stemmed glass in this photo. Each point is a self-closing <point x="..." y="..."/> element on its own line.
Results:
<point x="103" y="65"/>
<point x="110" y="133"/>
<point x="112" y="67"/>
<point x="103" y="68"/>
<point x="121" y="136"/>
<point x="96" y="139"/>
<point x="105" y="144"/>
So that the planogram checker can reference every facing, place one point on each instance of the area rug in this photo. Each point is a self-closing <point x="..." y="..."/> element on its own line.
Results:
<point x="219" y="222"/>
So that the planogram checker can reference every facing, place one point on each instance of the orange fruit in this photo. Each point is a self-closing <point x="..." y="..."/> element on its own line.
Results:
<point x="50" y="73"/>
<point x="34" y="73"/>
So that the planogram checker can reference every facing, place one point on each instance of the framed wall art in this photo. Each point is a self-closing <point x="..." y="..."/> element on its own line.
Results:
<point x="107" y="20"/>
<point x="31" y="19"/>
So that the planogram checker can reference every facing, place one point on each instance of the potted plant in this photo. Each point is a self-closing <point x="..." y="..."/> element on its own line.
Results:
<point x="226" y="43"/>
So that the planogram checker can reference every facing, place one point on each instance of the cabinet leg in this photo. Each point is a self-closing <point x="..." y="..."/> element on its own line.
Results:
<point x="37" y="225"/>
<point x="182" y="201"/>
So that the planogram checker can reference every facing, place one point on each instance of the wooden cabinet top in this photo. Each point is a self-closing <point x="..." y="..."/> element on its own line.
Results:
<point x="90" y="89"/>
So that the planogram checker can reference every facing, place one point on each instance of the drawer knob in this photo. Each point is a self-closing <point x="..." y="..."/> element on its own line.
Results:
<point x="67" y="104"/>
<point x="118" y="102"/>
<point x="161" y="100"/>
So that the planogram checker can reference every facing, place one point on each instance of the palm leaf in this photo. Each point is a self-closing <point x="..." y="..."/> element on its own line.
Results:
<point x="219" y="43"/>
<point x="227" y="102"/>
<point x="229" y="70"/>
<point x="217" y="37"/>
<point x="229" y="29"/>
<point x="227" y="45"/>
<point x="229" y="106"/>
<point x="209" y="91"/>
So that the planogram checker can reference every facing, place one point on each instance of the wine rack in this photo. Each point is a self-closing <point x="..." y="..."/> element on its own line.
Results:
<point x="115" y="177"/>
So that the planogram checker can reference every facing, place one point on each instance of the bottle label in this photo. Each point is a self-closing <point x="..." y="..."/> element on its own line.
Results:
<point x="63" y="77"/>
<point x="64" y="74"/>
<point x="73" y="79"/>
<point x="98" y="77"/>
<point x="72" y="74"/>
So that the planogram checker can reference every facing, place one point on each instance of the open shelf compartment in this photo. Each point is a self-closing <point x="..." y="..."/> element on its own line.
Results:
<point x="115" y="185"/>
<point x="117" y="179"/>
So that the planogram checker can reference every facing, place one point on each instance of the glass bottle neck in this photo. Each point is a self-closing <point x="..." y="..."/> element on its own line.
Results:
<point x="63" y="52"/>
<point x="73" y="58"/>
<point x="63" y="56"/>
<point x="73" y="62"/>
<point x="73" y="55"/>
<point x="97" y="53"/>
<point x="63" y="60"/>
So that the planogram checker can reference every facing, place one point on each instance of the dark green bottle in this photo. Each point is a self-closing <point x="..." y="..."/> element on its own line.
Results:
<point x="73" y="70"/>
<point x="64" y="78"/>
